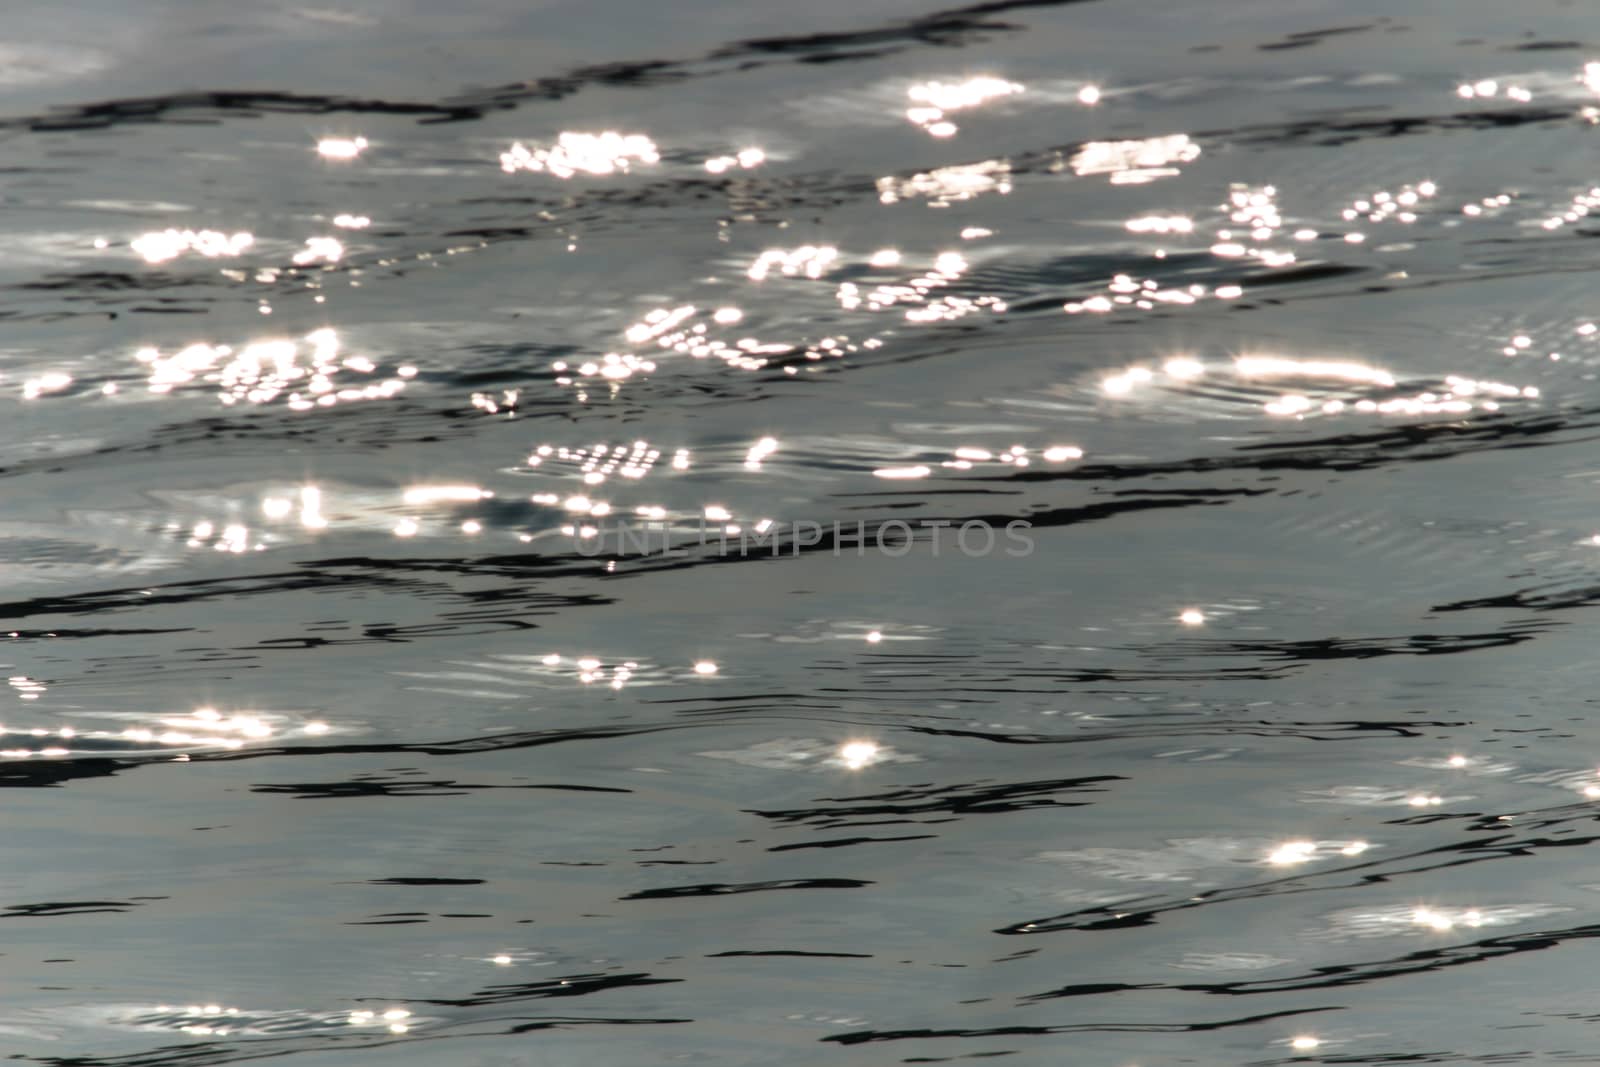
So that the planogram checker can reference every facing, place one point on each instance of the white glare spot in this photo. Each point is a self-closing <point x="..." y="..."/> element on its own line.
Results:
<point x="705" y="666"/>
<point x="341" y="147"/>
<point x="857" y="754"/>
<point x="311" y="508"/>
<point x="328" y="249"/>
<point x="587" y="153"/>
<point x="158" y="247"/>
<point x="1291" y="852"/>
<point x="432" y="494"/>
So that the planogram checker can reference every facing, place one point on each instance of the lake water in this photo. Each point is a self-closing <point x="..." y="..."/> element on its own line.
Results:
<point x="788" y="534"/>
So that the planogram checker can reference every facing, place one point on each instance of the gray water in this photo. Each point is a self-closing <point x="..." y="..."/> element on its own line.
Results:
<point x="332" y="737"/>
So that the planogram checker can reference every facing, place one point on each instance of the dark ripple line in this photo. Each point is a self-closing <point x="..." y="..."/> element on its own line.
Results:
<point x="864" y="1036"/>
<point x="723" y="889"/>
<point x="946" y="28"/>
<point x="381" y="788"/>
<point x="1336" y="976"/>
<point x="217" y="1053"/>
<point x="956" y="800"/>
<point x="1131" y="914"/>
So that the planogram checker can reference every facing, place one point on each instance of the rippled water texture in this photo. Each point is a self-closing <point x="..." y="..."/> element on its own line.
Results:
<point x="337" y="342"/>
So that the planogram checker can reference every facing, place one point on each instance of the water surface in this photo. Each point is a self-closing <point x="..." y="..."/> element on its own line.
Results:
<point x="333" y="738"/>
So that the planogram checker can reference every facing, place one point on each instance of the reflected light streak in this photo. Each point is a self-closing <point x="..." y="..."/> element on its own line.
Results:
<point x="918" y="471"/>
<point x="1291" y="853"/>
<point x="202" y="728"/>
<point x="934" y="99"/>
<point x="760" y="451"/>
<point x="582" y="153"/>
<point x="341" y="147"/>
<point x="948" y="184"/>
<point x="158" y="247"/>
<point x="433" y="494"/>
<point x="1273" y="366"/>
<point x="747" y="158"/>
<point x="327" y="249"/>
<point x="54" y="382"/>
<point x="1160" y="224"/>
<point x="1135" y="162"/>
<point x="264" y="370"/>
<point x="810" y="260"/>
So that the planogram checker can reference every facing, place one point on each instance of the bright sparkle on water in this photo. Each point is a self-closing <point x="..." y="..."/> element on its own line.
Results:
<point x="576" y="153"/>
<point x="1291" y="853"/>
<point x="158" y="247"/>
<point x="858" y="754"/>
<point x="433" y="494"/>
<point x="341" y="147"/>
<point x="934" y="100"/>
<point x="746" y="159"/>
<point x="784" y="309"/>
